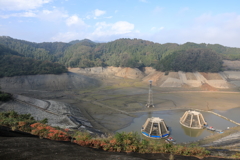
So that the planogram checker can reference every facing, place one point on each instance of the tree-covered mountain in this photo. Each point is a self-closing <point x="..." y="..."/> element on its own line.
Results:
<point x="40" y="51"/>
<point x="83" y="42"/>
<point x="126" y="53"/>
<point x="13" y="64"/>
<point x="7" y="51"/>
<point x="122" y="52"/>
<point x="191" y="60"/>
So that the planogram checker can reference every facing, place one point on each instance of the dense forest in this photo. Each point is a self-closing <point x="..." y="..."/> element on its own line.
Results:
<point x="135" y="53"/>
<point x="13" y="63"/>
<point x="203" y="60"/>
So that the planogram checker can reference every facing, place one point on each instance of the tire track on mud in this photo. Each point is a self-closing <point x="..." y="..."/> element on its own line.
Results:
<point x="94" y="122"/>
<point x="91" y="119"/>
<point x="118" y="110"/>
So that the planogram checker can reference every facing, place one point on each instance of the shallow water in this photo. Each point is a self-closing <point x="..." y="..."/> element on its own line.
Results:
<point x="180" y="133"/>
<point x="233" y="114"/>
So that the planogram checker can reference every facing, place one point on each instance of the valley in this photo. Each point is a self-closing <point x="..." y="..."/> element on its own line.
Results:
<point x="110" y="98"/>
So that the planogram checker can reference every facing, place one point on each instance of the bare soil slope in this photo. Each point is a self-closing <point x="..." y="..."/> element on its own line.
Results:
<point x="48" y="82"/>
<point x="231" y="65"/>
<point x="161" y="79"/>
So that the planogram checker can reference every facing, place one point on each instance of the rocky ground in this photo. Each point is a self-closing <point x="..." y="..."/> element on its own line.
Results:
<point x="19" y="146"/>
<point x="56" y="116"/>
<point x="231" y="141"/>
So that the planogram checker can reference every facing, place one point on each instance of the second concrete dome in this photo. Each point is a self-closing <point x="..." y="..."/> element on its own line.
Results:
<point x="193" y="119"/>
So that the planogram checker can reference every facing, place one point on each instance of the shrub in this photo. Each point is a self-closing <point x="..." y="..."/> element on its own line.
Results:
<point x="45" y="131"/>
<point x="16" y="121"/>
<point x="236" y="155"/>
<point x="39" y="129"/>
<point x="44" y="121"/>
<point x="82" y="136"/>
<point x="5" y="96"/>
<point x="120" y="142"/>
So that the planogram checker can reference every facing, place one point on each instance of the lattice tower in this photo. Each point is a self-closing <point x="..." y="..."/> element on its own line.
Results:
<point x="150" y="96"/>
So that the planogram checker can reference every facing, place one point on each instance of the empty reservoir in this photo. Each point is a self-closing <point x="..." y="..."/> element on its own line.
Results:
<point x="177" y="131"/>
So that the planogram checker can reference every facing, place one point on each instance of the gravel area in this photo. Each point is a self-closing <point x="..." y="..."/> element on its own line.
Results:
<point x="58" y="108"/>
<point x="36" y="102"/>
<point x="232" y="140"/>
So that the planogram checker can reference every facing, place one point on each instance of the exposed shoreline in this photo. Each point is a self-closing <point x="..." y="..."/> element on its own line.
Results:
<point x="111" y="103"/>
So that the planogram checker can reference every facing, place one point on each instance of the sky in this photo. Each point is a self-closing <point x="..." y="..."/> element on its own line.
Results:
<point x="160" y="21"/>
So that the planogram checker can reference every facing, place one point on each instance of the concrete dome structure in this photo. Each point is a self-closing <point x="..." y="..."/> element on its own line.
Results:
<point x="193" y="120"/>
<point x="155" y="127"/>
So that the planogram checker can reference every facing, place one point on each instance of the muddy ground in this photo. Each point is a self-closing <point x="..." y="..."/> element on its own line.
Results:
<point x="115" y="103"/>
<point x="114" y="106"/>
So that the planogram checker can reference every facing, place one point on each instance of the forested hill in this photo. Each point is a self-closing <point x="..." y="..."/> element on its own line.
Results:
<point x="40" y="51"/>
<point x="127" y="53"/>
<point x="13" y="63"/>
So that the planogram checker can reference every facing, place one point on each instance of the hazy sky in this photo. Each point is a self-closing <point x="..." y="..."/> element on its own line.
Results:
<point x="162" y="21"/>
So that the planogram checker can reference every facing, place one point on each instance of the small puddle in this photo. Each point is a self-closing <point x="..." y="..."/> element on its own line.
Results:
<point x="180" y="133"/>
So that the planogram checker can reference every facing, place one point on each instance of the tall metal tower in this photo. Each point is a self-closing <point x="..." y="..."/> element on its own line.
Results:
<point x="150" y="96"/>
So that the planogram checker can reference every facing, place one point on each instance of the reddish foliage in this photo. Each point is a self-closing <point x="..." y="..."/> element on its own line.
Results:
<point x="21" y="123"/>
<point x="113" y="141"/>
<point x="66" y="129"/>
<point x="49" y="132"/>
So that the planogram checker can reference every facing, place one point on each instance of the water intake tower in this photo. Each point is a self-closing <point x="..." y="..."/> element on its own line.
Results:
<point x="155" y="127"/>
<point x="193" y="120"/>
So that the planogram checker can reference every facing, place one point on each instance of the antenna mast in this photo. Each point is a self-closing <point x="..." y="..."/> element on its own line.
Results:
<point x="150" y="96"/>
